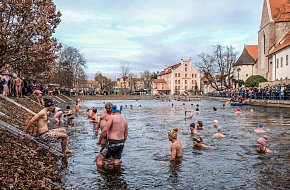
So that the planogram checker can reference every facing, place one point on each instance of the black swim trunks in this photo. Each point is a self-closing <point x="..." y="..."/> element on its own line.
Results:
<point x="114" y="148"/>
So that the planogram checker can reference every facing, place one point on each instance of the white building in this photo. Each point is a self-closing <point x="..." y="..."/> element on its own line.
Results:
<point x="280" y="56"/>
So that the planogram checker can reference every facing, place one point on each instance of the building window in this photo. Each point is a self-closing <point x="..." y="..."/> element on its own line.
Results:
<point x="264" y="44"/>
<point x="185" y="75"/>
<point x="247" y="75"/>
<point x="192" y="75"/>
<point x="185" y="69"/>
<point x="175" y="87"/>
<point x="287" y="59"/>
<point x="175" y="81"/>
<point x="185" y="65"/>
<point x="185" y="81"/>
<point x="175" y="74"/>
<point x="192" y="82"/>
<point x="277" y="63"/>
<point x="281" y="61"/>
<point x="178" y="74"/>
<point x="185" y="87"/>
<point x="195" y="75"/>
<point x="178" y="81"/>
<point x="178" y="87"/>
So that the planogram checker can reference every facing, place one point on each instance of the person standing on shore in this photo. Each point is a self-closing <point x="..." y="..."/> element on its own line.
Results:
<point x="117" y="131"/>
<point x="176" y="146"/>
<point x="18" y="85"/>
<point x="42" y="130"/>
<point x="5" y="80"/>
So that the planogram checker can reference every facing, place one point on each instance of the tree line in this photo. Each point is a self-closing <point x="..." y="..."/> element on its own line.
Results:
<point x="28" y="47"/>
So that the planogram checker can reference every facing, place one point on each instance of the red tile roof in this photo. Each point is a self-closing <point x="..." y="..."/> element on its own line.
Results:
<point x="253" y="51"/>
<point x="159" y="81"/>
<point x="169" y="69"/>
<point x="285" y="42"/>
<point x="280" y="10"/>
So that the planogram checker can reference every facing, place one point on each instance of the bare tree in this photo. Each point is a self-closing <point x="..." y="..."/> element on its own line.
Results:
<point x="148" y="78"/>
<point x="218" y="65"/>
<point x="103" y="82"/>
<point x="124" y="71"/>
<point x="70" y="66"/>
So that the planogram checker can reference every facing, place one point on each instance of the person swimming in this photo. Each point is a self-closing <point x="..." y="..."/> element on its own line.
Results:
<point x="238" y="111"/>
<point x="262" y="146"/>
<point x="197" y="142"/>
<point x="219" y="133"/>
<point x="261" y="129"/>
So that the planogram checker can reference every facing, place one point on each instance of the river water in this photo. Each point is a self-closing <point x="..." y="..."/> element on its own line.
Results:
<point x="229" y="163"/>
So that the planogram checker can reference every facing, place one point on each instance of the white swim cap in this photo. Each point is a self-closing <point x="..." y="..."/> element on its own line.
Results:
<point x="215" y="121"/>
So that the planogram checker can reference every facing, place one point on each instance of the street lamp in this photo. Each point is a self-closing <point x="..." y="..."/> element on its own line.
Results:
<point x="238" y="70"/>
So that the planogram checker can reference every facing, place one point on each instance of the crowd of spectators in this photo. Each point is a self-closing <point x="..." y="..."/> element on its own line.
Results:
<point x="28" y="86"/>
<point x="274" y="92"/>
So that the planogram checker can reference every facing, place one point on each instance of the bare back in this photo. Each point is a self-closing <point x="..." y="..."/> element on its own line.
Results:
<point x="119" y="127"/>
<point x="41" y="122"/>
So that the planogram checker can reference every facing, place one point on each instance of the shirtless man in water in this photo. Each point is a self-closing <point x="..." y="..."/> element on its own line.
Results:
<point x="176" y="146"/>
<point x="39" y="95"/>
<point x="106" y="112"/>
<point x="117" y="131"/>
<point x="42" y="130"/>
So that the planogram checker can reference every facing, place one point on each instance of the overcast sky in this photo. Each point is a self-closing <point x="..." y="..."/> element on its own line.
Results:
<point x="149" y="34"/>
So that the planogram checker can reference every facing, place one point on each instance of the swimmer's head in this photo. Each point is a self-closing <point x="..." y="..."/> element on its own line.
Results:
<point x="192" y="125"/>
<point x="48" y="103"/>
<point x="261" y="126"/>
<point x="173" y="133"/>
<point x="214" y="109"/>
<point x="215" y="121"/>
<point x="261" y="141"/>
<point x="95" y="110"/>
<point x="251" y="110"/>
<point x="67" y="107"/>
<point x="238" y="109"/>
<point x="196" y="109"/>
<point x="115" y="109"/>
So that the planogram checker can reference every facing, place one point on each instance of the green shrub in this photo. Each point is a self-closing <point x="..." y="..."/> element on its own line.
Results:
<point x="254" y="80"/>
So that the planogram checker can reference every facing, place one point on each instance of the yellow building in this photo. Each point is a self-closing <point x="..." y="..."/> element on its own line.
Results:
<point x="177" y="79"/>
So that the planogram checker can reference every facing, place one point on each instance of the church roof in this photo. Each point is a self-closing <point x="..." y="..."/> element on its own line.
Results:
<point x="249" y="56"/>
<point x="253" y="51"/>
<point x="280" y="10"/>
<point x="284" y="42"/>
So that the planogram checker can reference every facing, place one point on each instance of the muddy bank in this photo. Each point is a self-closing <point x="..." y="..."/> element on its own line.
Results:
<point x="23" y="164"/>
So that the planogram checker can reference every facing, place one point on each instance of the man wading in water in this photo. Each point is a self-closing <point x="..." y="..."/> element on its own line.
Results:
<point x="116" y="130"/>
<point x="176" y="146"/>
<point x="106" y="112"/>
<point x="42" y="130"/>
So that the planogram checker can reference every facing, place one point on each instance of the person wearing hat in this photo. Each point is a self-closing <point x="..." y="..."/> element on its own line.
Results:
<point x="261" y="129"/>
<point x="176" y="146"/>
<point x="106" y="112"/>
<point x="219" y="133"/>
<point x="262" y="146"/>
<point x="42" y="130"/>
<point x="238" y="112"/>
<point x="197" y="142"/>
<point x="116" y="130"/>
